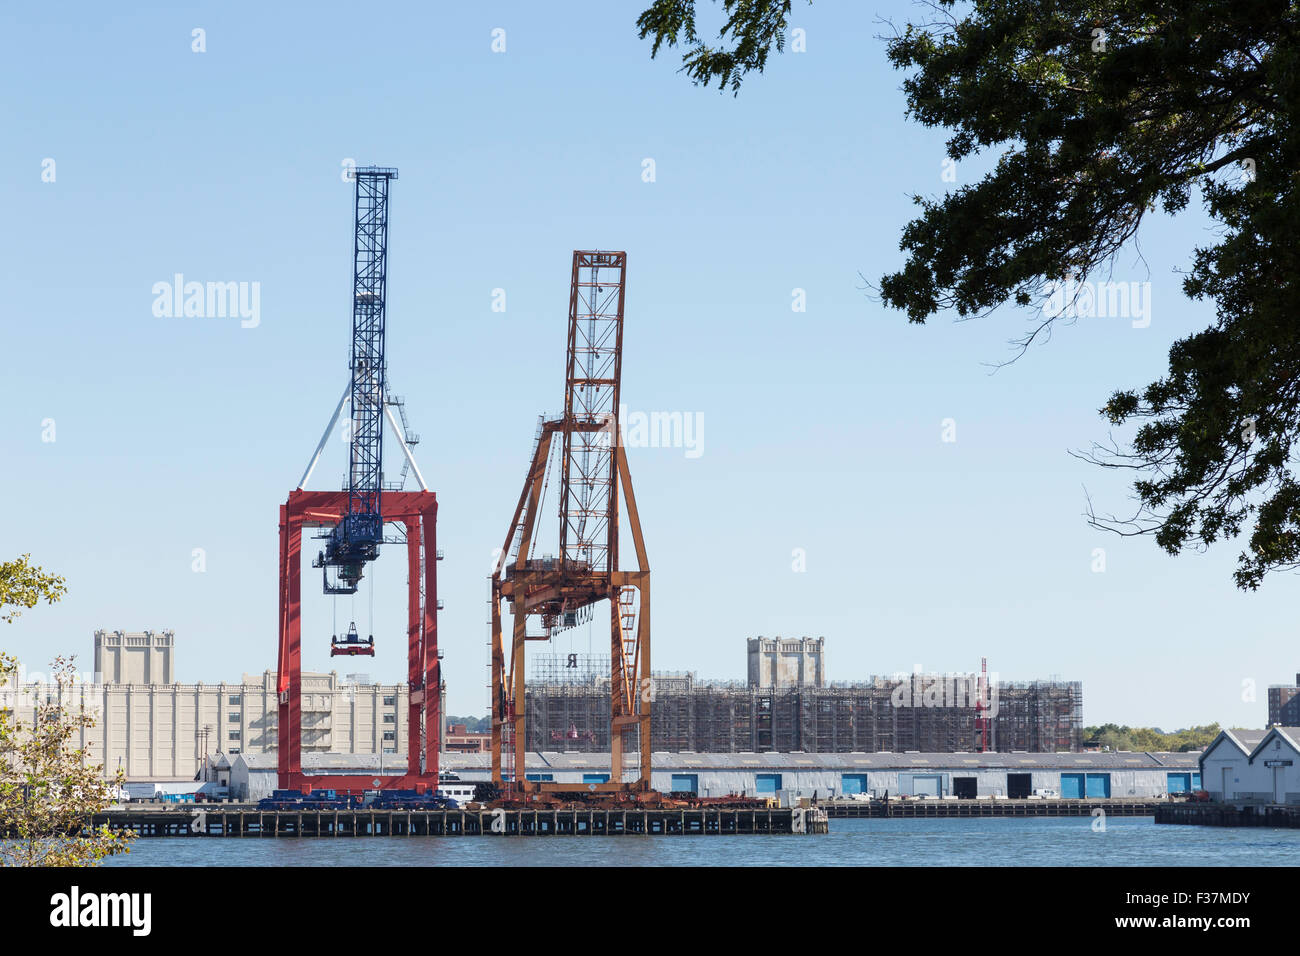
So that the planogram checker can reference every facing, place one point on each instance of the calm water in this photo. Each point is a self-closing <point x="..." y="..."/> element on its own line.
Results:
<point x="1066" y="841"/>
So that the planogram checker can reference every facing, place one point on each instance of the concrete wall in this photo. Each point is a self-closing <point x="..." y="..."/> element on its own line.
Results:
<point x="135" y="657"/>
<point x="155" y="731"/>
<point x="786" y="662"/>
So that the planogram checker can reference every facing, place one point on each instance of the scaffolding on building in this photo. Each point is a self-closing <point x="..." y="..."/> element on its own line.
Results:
<point x="876" y="715"/>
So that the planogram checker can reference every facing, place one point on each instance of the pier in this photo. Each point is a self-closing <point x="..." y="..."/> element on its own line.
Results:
<point x="225" y="821"/>
<point x="1229" y="815"/>
<point x="882" y="809"/>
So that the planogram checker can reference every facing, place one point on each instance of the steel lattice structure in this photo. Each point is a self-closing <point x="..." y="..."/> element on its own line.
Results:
<point x="557" y="591"/>
<point x="355" y="540"/>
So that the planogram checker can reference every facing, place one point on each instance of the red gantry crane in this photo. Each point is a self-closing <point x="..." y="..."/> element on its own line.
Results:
<point x="354" y="522"/>
<point x="559" y="592"/>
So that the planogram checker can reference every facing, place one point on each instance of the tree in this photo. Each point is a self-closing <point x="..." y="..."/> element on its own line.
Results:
<point x="48" y="794"/>
<point x="756" y="26"/>
<point x="23" y="584"/>
<point x="1115" y="737"/>
<point x="1102" y="113"/>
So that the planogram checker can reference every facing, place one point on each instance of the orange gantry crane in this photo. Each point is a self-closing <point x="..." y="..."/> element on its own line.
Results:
<point x="559" y="591"/>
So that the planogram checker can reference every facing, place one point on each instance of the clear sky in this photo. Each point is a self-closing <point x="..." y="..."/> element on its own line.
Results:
<point x="822" y="429"/>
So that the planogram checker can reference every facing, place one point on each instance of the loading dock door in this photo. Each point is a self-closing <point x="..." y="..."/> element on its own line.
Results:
<point x="851" y="783"/>
<point x="1019" y="785"/>
<point x="767" y="783"/>
<point x="927" y="785"/>
<point x="1179" y="782"/>
<point x="964" y="788"/>
<point x="686" y="783"/>
<point x="1072" y="786"/>
<point x="1098" y="785"/>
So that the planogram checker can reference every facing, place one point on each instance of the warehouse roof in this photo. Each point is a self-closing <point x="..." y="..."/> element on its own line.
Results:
<point x="1244" y="740"/>
<point x="1290" y="734"/>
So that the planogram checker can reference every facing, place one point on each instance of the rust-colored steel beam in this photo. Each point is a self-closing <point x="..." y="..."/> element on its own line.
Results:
<point x="593" y="471"/>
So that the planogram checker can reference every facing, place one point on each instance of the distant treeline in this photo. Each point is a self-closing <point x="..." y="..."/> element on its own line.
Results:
<point x="473" y="725"/>
<point x="1149" y="738"/>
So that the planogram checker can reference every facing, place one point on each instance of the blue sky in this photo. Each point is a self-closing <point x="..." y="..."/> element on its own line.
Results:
<point x="821" y="429"/>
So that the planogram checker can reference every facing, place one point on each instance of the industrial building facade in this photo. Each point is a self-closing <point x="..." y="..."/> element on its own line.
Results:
<point x="1253" y="766"/>
<point x="970" y="776"/>
<point x="1284" y="704"/>
<point x="161" y="730"/>
<point x="786" y="706"/>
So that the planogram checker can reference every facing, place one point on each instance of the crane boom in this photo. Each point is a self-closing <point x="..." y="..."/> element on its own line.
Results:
<point x="354" y="541"/>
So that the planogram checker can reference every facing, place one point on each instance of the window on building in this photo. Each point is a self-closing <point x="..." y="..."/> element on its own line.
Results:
<point x="390" y="735"/>
<point x="540" y="777"/>
<point x="390" y="718"/>
<point x="232" y="718"/>
<point x="235" y="699"/>
<point x="234" y="735"/>
<point x="232" y="751"/>
<point x="390" y="701"/>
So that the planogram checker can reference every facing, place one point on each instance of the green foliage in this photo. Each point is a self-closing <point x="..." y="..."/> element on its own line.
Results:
<point x="1100" y="112"/>
<point x="473" y="725"/>
<point x="1104" y="112"/>
<point x="22" y="584"/>
<point x="1115" y="737"/>
<point x="755" y="28"/>
<point x="47" y="793"/>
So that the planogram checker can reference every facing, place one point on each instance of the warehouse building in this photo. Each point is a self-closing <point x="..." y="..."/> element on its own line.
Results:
<point x="153" y="728"/>
<point x="1253" y="766"/>
<point x="790" y="775"/>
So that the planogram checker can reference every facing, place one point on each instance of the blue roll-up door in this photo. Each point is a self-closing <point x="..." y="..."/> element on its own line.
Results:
<point x="1072" y="786"/>
<point x="595" y="778"/>
<point x="851" y="783"/>
<point x="1099" y="785"/>
<point x="1196" y="781"/>
<point x="1179" y="782"/>
<point x="767" y="782"/>
<point x="686" y="783"/>
<point x="540" y="777"/>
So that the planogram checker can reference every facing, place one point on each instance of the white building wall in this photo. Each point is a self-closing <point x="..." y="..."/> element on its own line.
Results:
<point x="154" y="731"/>
<point x="1225" y="758"/>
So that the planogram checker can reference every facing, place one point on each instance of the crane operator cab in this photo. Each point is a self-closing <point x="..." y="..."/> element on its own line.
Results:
<point x="351" y="644"/>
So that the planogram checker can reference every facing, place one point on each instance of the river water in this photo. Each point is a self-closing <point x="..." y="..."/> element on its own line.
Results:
<point x="1063" y="841"/>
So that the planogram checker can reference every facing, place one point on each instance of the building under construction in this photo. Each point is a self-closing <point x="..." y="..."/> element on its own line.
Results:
<point x="786" y="705"/>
